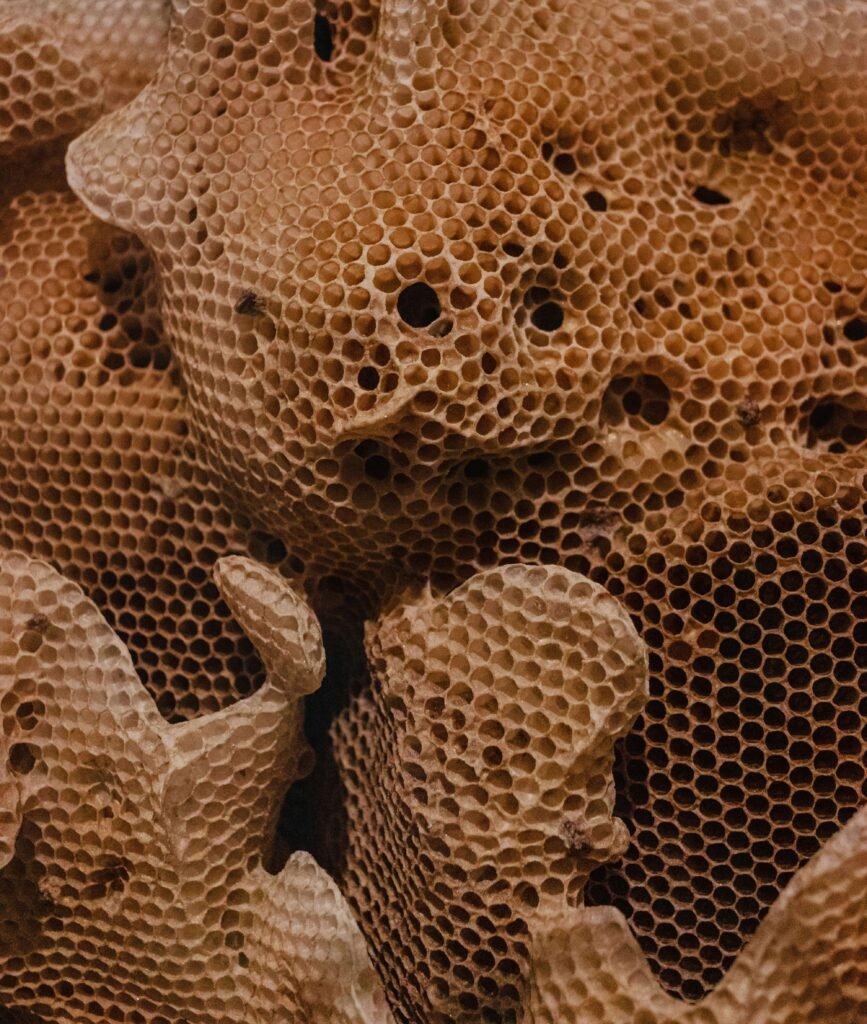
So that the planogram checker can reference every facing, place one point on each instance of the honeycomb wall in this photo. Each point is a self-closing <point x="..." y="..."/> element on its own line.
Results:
<point x="483" y="756"/>
<point x="65" y="62"/>
<point x="96" y="470"/>
<point x="374" y="301"/>
<point x="135" y="876"/>
<point x="455" y="286"/>
<point x="750" y="753"/>
<point x="805" y="964"/>
<point x="399" y="294"/>
<point x="136" y="865"/>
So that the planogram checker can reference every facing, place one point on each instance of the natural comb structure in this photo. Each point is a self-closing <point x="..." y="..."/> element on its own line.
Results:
<point x="583" y="284"/>
<point x="805" y="964"/>
<point x="395" y="294"/>
<point x="65" y="62"/>
<point x="483" y="755"/>
<point x="135" y="882"/>
<point x="97" y="475"/>
<point x="458" y="273"/>
<point x="484" y="752"/>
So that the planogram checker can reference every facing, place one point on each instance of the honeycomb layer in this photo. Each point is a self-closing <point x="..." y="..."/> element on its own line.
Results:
<point x="691" y="477"/>
<point x="136" y="880"/>
<point x="452" y="286"/>
<point x="389" y="290"/>
<point x="136" y="862"/>
<point x="806" y="963"/>
<point x="65" y="62"/>
<point x="96" y="471"/>
<point x="483" y="755"/>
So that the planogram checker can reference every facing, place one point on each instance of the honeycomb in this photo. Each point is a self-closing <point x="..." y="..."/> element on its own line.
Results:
<point x="65" y="62"/>
<point x="137" y="866"/>
<point x="96" y="474"/>
<point x="483" y="756"/>
<point x="137" y="882"/>
<point x="806" y="963"/>
<point x="401" y="298"/>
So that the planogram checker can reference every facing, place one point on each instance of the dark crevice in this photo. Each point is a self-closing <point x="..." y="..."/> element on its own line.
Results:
<point x="477" y="469"/>
<point x="267" y="548"/>
<point x="323" y="39"/>
<point x="710" y="196"/>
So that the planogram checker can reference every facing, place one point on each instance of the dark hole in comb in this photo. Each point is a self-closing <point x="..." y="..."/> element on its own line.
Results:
<point x="477" y="469"/>
<point x="368" y="378"/>
<point x="377" y="467"/>
<point x="856" y="329"/>
<point x="323" y="40"/>
<point x="266" y="547"/>
<point x="418" y="305"/>
<point x="22" y="758"/>
<point x="710" y="196"/>
<point x="838" y="425"/>
<point x="547" y="317"/>
<point x="565" y="163"/>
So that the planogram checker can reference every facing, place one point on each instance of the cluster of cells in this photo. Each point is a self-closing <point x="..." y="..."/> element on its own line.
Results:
<point x="65" y="62"/>
<point x="806" y="963"/>
<point x="95" y="475"/>
<point x="397" y="293"/>
<point x="483" y="757"/>
<point x="96" y="471"/>
<point x="750" y="753"/>
<point x="133" y="853"/>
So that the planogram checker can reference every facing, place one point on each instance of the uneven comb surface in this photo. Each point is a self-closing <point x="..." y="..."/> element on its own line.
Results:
<point x="751" y="751"/>
<point x="484" y="755"/>
<point x="133" y="883"/>
<point x="65" y="62"/>
<point x="579" y="283"/>
<point x="96" y="472"/>
<point x="806" y="963"/>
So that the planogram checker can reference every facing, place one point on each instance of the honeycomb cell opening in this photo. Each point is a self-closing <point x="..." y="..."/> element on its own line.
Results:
<point x="23" y="758"/>
<point x="596" y="201"/>
<point x="418" y="305"/>
<point x="643" y="401"/>
<point x="548" y="316"/>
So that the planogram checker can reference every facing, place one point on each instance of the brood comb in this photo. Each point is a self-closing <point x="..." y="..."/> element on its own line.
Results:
<point x="452" y="285"/>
